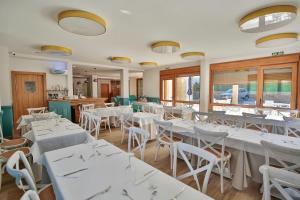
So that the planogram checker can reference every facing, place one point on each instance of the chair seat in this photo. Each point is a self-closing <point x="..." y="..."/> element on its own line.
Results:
<point x="47" y="193"/>
<point x="6" y="155"/>
<point x="168" y="140"/>
<point x="13" y="143"/>
<point x="227" y="154"/>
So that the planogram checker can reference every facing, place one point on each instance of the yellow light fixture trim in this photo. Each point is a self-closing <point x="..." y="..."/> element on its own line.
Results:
<point x="81" y="22"/>
<point x="268" y="18"/>
<point x="120" y="60"/>
<point x="148" y="64"/>
<point x="165" y="47"/>
<point x="56" y="50"/>
<point x="192" y="55"/>
<point x="276" y="40"/>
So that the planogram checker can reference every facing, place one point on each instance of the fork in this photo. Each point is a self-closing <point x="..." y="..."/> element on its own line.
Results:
<point x="125" y="193"/>
<point x="99" y="193"/>
<point x="59" y="159"/>
<point x="178" y="194"/>
<point x="115" y="153"/>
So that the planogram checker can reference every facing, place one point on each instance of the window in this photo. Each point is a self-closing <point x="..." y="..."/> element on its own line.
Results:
<point x="263" y="82"/>
<point x="277" y="86"/>
<point x="235" y="87"/>
<point x="181" y="87"/>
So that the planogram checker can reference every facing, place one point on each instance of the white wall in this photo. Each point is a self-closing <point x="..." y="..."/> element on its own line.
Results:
<point x="5" y="78"/>
<point x="33" y="65"/>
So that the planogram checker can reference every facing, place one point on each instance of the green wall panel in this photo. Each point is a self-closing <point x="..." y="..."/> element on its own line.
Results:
<point x="7" y="121"/>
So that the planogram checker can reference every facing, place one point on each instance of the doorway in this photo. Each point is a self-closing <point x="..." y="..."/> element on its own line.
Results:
<point x="28" y="91"/>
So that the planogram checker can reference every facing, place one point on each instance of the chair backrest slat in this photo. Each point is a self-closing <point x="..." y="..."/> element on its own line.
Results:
<point x="13" y="168"/>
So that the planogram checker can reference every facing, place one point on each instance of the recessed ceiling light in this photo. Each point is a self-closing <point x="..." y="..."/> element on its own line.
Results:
<point x="126" y="12"/>
<point x="56" y="50"/>
<point x="120" y="60"/>
<point x="81" y="22"/>
<point x="165" y="47"/>
<point x="277" y="40"/>
<point x="193" y="55"/>
<point x="148" y="64"/>
<point x="268" y="18"/>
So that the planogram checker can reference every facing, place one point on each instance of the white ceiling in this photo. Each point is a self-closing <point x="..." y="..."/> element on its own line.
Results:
<point x="199" y="25"/>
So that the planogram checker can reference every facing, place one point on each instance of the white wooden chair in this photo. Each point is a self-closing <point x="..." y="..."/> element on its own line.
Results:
<point x="217" y="117"/>
<point x="141" y="137"/>
<point x="82" y="117"/>
<point x="286" y="158"/>
<point x="36" y="110"/>
<point x="214" y="142"/>
<point x="126" y="123"/>
<point x="211" y="159"/>
<point x="13" y="168"/>
<point x="146" y="108"/>
<point x="286" y="182"/>
<point x="292" y="128"/>
<point x="261" y="116"/>
<point x="200" y="116"/>
<point x="6" y="154"/>
<point x="30" y="195"/>
<point x="168" y="112"/>
<point x="165" y="137"/>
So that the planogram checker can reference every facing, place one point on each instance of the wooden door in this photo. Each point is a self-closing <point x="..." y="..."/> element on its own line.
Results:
<point x="28" y="91"/>
<point x="105" y="90"/>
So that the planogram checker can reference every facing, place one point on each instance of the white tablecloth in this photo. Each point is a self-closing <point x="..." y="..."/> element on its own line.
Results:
<point x="54" y="134"/>
<point x="243" y="140"/>
<point x="25" y="120"/>
<point x="145" y="121"/>
<point x="111" y="171"/>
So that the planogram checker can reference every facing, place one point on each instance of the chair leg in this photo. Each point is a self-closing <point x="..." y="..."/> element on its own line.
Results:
<point x="222" y="177"/>
<point x="157" y="150"/>
<point x="171" y="156"/>
<point x="122" y="139"/>
<point x="108" y="124"/>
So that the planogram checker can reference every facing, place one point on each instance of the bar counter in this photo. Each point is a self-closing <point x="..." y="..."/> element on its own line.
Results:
<point x="73" y="105"/>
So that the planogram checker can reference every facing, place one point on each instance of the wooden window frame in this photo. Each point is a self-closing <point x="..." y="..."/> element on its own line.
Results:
<point x="172" y="74"/>
<point x="293" y="60"/>
<point x="137" y="86"/>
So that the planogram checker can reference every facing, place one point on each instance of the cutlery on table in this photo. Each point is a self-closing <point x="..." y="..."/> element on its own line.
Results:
<point x="145" y="177"/>
<point x="99" y="193"/>
<point x="115" y="153"/>
<point x="41" y="134"/>
<point x="74" y="172"/>
<point x="153" y="194"/>
<point x="178" y="194"/>
<point x="82" y="158"/>
<point x="125" y="193"/>
<point x="98" y="153"/>
<point x="59" y="159"/>
<point x="100" y="146"/>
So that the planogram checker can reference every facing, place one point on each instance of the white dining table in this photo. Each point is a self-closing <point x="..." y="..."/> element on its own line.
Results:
<point x="243" y="140"/>
<point x="100" y="166"/>
<point x="25" y="120"/>
<point x="48" y="135"/>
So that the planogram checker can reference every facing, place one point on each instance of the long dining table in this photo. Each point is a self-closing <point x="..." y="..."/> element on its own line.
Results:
<point x="246" y="143"/>
<point x="100" y="170"/>
<point x="52" y="134"/>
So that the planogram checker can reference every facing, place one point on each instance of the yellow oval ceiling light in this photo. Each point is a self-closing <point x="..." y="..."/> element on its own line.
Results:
<point x="165" y="47"/>
<point x="268" y="18"/>
<point x="120" y="60"/>
<point x="277" y="40"/>
<point x="148" y="64"/>
<point x="193" y="55"/>
<point x="81" y="22"/>
<point x="56" y="50"/>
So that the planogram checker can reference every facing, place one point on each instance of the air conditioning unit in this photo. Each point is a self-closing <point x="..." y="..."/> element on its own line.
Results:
<point x="58" y="68"/>
<point x="58" y="71"/>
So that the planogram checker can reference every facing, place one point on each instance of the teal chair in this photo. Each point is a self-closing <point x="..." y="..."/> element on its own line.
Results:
<point x="62" y="108"/>
<point x="132" y="98"/>
<point x="136" y="107"/>
<point x="117" y="100"/>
